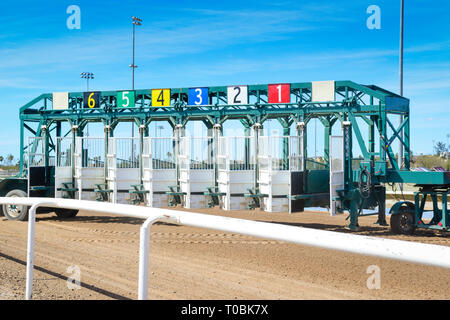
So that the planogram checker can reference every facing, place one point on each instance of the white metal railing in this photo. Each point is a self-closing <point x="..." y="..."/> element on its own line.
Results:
<point x="421" y="253"/>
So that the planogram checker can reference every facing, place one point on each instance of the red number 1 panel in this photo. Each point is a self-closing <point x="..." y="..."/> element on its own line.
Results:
<point x="279" y="93"/>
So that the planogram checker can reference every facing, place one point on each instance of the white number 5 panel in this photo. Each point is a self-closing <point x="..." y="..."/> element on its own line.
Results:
<point x="237" y="95"/>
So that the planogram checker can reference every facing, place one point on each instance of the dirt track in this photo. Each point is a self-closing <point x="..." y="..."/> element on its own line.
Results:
<point x="194" y="263"/>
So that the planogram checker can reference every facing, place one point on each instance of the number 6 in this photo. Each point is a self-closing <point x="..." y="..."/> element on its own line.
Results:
<point x="91" y="102"/>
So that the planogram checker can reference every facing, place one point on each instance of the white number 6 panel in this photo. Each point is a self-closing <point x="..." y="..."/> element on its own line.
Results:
<point x="237" y="95"/>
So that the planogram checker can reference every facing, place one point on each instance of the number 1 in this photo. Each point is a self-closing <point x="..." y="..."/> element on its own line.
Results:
<point x="279" y="93"/>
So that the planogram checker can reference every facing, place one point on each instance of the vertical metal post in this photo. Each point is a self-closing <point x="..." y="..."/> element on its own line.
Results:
<point x="30" y="249"/>
<point x="401" y="151"/>
<point x="300" y="132"/>
<point x="144" y="247"/>
<point x="347" y="133"/>
<point x="73" y="150"/>
<point x="178" y="133"/>
<point x="256" y="127"/>
<point x="141" y="151"/>
<point x="217" y="132"/>
<point x="30" y="252"/>
<point x="286" y="149"/>
<point x="107" y="130"/>
<point x="132" y="68"/>
<point x="21" y="147"/>
<point x="326" y="138"/>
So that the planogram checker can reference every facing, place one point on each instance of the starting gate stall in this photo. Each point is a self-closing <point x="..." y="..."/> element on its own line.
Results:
<point x="197" y="170"/>
<point x="279" y="172"/>
<point x="90" y="167"/>
<point x="337" y="178"/>
<point x="236" y="160"/>
<point x="123" y="169"/>
<point x="159" y="169"/>
<point x="40" y="173"/>
<point x="64" y="180"/>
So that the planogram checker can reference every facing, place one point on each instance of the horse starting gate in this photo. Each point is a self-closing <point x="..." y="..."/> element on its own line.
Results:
<point x="197" y="169"/>
<point x="279" y="170"/>
<point x="236" y="160"/>
<point x="89" y="166"/>
<point x="159" y="169"/>
<point x="336" y="172"/>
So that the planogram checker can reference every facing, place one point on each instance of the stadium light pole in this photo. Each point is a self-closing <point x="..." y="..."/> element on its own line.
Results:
<point x="401" y="149"/>
<point x="136" y="22"/>
<point x="87" y="76"/>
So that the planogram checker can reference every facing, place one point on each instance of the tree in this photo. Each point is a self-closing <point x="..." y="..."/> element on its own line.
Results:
<point x="10" y="158"/>
<point x="1" y="159"/>
<point x="440" y="147"/>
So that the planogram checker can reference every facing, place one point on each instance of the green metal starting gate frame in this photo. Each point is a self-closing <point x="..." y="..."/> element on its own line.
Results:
<point x="353" y="106"/>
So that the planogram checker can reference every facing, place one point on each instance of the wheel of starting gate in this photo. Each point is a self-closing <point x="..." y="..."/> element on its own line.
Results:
<point x="402" y="221"/>
<point x="16" y="212"/>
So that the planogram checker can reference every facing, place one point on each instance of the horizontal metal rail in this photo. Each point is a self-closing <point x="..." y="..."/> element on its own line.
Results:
<point x="414" y="252"/>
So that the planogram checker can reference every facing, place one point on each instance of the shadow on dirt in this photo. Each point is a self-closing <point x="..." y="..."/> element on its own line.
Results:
<point x="63" y="277"/>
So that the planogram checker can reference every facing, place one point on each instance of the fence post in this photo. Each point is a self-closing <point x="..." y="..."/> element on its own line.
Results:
<point x="30" y="249"/>
<point x="144" y="246"/>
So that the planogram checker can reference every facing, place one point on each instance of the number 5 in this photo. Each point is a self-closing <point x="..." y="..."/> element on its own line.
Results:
<point x="125" y="97"/>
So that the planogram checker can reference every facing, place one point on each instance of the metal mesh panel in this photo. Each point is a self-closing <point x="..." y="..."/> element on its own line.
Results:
<point x="295" y="153"/>
<point x="240" y="151"/>
<point x="127" y="152"/>
<point x="93" y="152"/>
<point x="201" y="153"/>
<point x="163" y="153"/>
<point x="337" y="154"/>
<point x="284" y="152"/>
<point x="36" y="152"/>
<point x="64" y="152"/>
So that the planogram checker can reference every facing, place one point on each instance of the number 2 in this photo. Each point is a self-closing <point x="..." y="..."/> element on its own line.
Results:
<point x="237" y="95"/>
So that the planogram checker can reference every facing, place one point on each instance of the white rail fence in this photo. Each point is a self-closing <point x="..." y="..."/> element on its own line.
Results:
<point x="421" y="253"/>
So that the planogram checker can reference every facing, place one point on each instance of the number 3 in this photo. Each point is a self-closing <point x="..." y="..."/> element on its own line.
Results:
<point x="199" y="96"/>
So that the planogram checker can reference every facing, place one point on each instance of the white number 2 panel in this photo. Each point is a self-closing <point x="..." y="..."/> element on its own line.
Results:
<point x="237" y="95"/>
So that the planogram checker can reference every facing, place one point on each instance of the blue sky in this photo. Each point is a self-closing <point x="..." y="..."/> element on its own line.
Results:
<point x="203" y="43"/>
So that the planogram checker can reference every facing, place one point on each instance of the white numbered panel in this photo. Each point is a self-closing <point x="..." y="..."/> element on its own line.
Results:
<point x="60" y="100"/>
<point x="323" y="91"/>
<point x="237" y="95"/>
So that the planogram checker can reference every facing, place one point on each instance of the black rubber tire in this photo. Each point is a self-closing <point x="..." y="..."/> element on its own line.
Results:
<point x="403" y="222"/>
<point x="66" y="213"/>
<point x="13" y="212"/>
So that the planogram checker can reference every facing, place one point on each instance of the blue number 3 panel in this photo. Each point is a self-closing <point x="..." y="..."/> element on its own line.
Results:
<point x="198" y="96"/>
